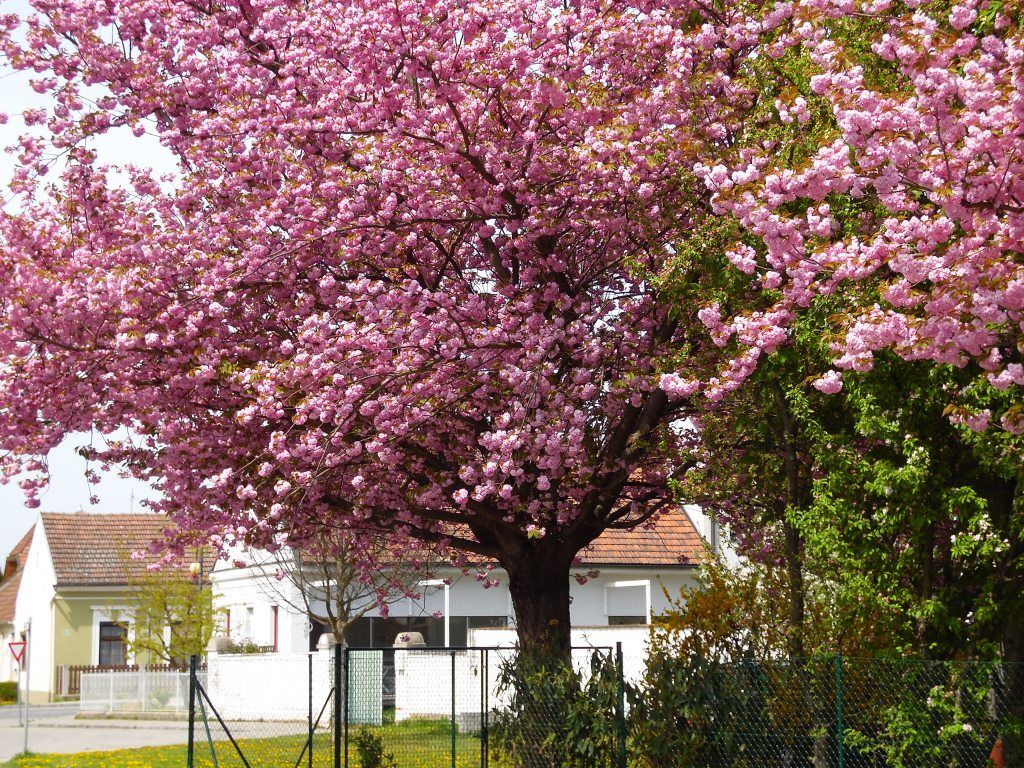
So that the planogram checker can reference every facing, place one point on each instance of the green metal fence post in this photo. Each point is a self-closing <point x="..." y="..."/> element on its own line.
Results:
<point x="483" y="707"/>
<point x="453" y="709"/>
<point x="348" y="685"/>
<point x="839" y="708"/>
<point x="309" y="754"/>
<point x="338" y="693"/>
<point x="191" y="711"/>
<point x="621" y="704"/>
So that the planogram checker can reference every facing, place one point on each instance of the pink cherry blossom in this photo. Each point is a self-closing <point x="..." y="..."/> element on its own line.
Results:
<point x="396" y="282"/>
<point x="830" y="383"/>
<point x="943" y="157"/>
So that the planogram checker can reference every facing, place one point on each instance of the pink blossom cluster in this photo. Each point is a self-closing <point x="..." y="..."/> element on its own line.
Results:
<point x="942" y="153"/>
<point x="392" y="286"/>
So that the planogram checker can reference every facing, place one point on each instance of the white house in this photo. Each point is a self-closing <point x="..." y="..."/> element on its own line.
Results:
<point x="74" y="596"/>
<point x="636" y="572"/>
<point x="10" y="579"/>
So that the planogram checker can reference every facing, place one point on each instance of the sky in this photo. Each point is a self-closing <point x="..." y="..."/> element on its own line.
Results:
<point x="68" y="491"/>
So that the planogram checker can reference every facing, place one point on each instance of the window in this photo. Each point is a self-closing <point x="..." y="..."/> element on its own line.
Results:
<point x="316" y="631"/>
<point x="488" y="622"/>
<point x="113" y="648"/>
<point x="273" y="610"/>
<point x="359" y="634"/>
<point x="627" y="602"/>
<point x="247" y="618"/>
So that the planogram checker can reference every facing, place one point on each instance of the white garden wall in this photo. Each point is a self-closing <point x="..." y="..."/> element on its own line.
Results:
<point x="423" y="684"/>
<point x="634" y="641"/>
<point x="268" y="686"/>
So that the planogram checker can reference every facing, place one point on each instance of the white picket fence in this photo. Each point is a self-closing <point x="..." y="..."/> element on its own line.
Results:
<point x="242" y="687"/>
<point x="134" y="692"/>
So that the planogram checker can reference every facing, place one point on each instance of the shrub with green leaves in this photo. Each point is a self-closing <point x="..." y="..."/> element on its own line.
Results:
<point x="370" y="748"/>
<point x="559" y="717"/>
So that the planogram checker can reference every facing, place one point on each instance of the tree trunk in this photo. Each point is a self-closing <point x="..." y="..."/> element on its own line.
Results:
<point x="926" y="553"/>
<point x="539" y="585"/>
<point x="795" y="579"/>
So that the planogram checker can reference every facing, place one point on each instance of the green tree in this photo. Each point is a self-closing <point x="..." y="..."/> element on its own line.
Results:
<point x="881" y="490"/>
<point x="168" y="612"/>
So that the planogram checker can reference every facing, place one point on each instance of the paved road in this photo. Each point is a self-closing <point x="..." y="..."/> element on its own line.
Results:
<point x="55" y="729"/>
<point x="10" y="712"/>
<point x="61" y="732"/>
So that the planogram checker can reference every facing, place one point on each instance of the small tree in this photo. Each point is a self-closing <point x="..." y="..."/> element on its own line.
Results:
<point x="325" y="580"/>
<point x="171" y="611"/>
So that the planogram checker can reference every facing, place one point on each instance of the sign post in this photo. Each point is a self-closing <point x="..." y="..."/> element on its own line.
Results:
<point x="26" y="637"/>
<point x="18" y="652"/>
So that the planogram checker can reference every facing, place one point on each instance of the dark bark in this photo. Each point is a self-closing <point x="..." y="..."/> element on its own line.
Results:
<point x="1004" y="507"/>
<point x="787" y="433"/>
<point x="795" y="579"/>
<point x="926" y="554"/>
<point x="538" y="581"/>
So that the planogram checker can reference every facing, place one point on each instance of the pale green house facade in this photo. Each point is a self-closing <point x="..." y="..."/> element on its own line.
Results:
<point x="74" y="600"/>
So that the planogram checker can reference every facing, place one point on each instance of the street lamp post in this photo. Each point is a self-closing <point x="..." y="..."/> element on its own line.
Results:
<point x="26" y="636"/>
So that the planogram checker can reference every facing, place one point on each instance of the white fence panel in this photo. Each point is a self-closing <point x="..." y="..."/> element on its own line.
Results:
<point x="423" y="684"/>
<point x="134" y="692"/>
<point x="635" y="641"/>
<point x="267" y="686"/>
<point x="423" y="680"/>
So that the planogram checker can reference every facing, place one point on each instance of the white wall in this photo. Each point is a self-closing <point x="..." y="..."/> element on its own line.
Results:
<point x="254" y="587"/>
<point x="423" y="677"/>
<point x="635" y="641"/>
<point x="589" y="604"/>
<point x="715" y="535"/>
<point x="241" y="589"/>
<point x="35" y="605"/>
<point x="268" y="686"/>
<point x="423" y="684"/>
<point x="8" y="666"/>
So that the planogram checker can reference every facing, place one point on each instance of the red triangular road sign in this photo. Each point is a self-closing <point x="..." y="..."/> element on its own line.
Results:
<point x="18" y="650"/>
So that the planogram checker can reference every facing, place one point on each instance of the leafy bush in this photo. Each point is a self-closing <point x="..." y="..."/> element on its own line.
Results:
<point x="370" y="748"/>
<point x="247" y="646"/>
<point x="8" y="691"/>
<point x="556" y="718"/>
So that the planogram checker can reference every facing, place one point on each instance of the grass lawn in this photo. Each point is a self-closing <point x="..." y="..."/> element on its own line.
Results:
<point x="416" y="744"/>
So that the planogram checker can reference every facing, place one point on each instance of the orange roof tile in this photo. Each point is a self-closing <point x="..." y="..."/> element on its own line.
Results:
<point x="13" y="566"/>
<point x="94" y="549"/>
<point x="673" y="541"/>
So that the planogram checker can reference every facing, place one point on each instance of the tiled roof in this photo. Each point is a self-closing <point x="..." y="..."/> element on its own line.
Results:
<point x="14" y="563"/>
<point x="8" y="596"/>
<point x="95" y="549"/>
<point x="16" y="559"/>
<point x="673" y="541"/>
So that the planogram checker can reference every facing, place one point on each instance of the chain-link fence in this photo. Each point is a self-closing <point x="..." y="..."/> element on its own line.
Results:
<point x="833" y="712"/>
<point x="264" y="711"/>
<point x="405" y="708"/>
<point x="470" y="707"/>
<point x="487" y="707"/>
